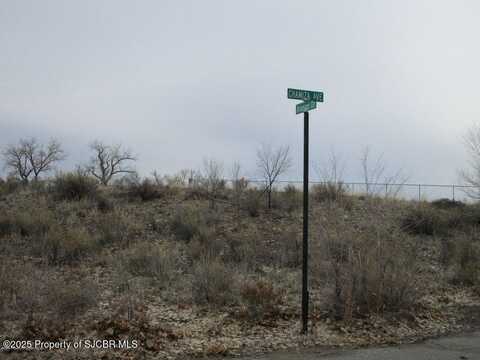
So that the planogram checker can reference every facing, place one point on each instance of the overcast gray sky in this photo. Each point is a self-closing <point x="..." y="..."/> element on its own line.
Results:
<point x="177" y="81"/>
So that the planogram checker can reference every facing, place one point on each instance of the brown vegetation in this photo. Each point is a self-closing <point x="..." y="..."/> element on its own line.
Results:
<point x="239" y="262"/>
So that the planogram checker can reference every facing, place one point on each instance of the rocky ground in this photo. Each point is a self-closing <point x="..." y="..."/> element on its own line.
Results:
<point x="161" y="313"/>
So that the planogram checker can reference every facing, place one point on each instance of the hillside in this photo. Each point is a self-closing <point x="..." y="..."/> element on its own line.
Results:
<point x="187" y="276"/>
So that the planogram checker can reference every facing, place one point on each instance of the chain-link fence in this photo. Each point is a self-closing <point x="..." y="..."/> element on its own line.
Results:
<point x="406" y="191"/>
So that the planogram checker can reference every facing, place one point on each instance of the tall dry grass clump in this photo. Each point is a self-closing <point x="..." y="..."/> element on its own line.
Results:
<point x="213" y="283"/>
<point x="116" y="228"/>
<point x="63" y="245"/>
<point x="150" y="261"/>
<point x="366" y="264"/>
<point x="260" y="298"/>
<point x="73" y="186"/>
<point x="188" y="222"/>
<point x="329" y="191"/>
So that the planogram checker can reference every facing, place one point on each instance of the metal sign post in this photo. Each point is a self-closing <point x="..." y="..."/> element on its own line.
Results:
<point x="310" y="99"/>
<point x="305" y="227"/>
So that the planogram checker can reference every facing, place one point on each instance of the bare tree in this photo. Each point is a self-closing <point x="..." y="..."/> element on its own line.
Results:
<point x="239" y="183"/>
<point x="331" y="176"/>
<point x="332" y="171"/>
<point x="108" y="161"/>
<point x="157" y="178"/>
<point x="471" y="176"/>
<point x="30" y="158"/>
<point x="213" y="179"/>
<point x="374" y="173"/>
<point x="272" y="163"/>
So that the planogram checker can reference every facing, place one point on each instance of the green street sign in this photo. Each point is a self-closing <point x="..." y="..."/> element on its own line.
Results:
<point x="305" y="95"/>
<point x="306" y="106"/>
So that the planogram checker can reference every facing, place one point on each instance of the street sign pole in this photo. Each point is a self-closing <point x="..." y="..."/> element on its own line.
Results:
<point x="305" y="297"/>
<point x="310" y="99"/>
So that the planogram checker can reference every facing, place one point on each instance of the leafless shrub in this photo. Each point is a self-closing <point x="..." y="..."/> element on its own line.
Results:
<point x="157" y="178"/>
<point x="376" y="173"/>
<point x="104" y="204"/>
<point x="464" y="258"/>
<point x="151" y="261"/>
<point x="252" y="203"/>
<point x="8" y="225"/>
<point x="260" y="298"/>
<point x="291" y="198"/>
<point x="332" y="171"/>
<point x="62" y="301"/>
<point x="239" y="250"/>
<point x="9" y="185"/>
<point x="425" y="220"/>
<point x="197" y="192"/>
<point x="183" y="178"/>
<point x="124" y="182"/>
<point x="33" y="289"/>
<point x="213" y="283"/>
<point x="29" y="158"/>
<point x="204" y="247"/>
<point x="289" y="249"/>
<point x="108" y="161"/>
<point x="44" y="299"/>
<point x="271" y="164"/>
<point x="69" y="298"/>
<point x="62" y="245"/>
<point x="331" y="187"/>
<point x="128" y="316"/>
<point x="73" y="186"/>
<point x="213" y="181"/>
<point x="10" y="279"/>
<point x="447" y="204"/>
<point x="248" y="250"/>
<point x="26" y="222"/>
<point x="239" y="184"/>
<point x="116" y="228"/>
<point x="147" y="190"/>
<point x="366" y="265"/>
<point x="329" y="192"/>
<point x="187" y="223"/>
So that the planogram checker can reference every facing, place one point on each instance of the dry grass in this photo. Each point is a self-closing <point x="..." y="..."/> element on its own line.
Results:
<point x="260" y="298"/>
<point x="65" y="245"/>
<point x="151" y="261"/>
<point x="213" y="283"/>
<point x="364" y="256"/>
<point x="116" y="228"/>
<point x="463" y="257"/>
<point x="189" y="222"/>
<point x="74" y="186"/>
<point x="367" y="265"/>
<point x="26" y="222"/>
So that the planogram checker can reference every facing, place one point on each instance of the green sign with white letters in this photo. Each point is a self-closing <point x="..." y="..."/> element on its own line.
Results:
<point x="305" y="95"/>
<point x="306" y="106"/>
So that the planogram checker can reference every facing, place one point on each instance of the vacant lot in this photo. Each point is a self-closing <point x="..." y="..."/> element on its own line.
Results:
<point x="188" y="275"/>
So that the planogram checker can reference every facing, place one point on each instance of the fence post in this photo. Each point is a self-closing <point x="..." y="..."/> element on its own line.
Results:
<point x="453" y="192"/>
<point x="386" y="190"/>
<point x="419" y="192"/>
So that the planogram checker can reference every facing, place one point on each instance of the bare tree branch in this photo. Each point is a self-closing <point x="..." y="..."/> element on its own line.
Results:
<point x="271" y="164"/>
<point x="375" y="173"/>
<point x="213" y="179"/>
<point x="108" y="161"/>
<point x="31" y="158"/>
<point x="332" y="171"/>
<point x="471" y="176"/>
<point x="239" y="183"/>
